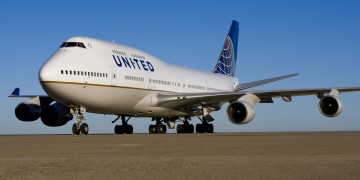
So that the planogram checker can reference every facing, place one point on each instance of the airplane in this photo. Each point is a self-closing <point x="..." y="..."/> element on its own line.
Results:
<point x="91" y="75"/>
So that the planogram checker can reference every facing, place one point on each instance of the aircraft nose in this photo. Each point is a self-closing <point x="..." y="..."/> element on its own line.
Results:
<point x="47" y="72"/>
<point x="43" y="73"/>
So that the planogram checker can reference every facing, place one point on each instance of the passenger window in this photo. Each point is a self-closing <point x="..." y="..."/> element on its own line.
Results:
<point x="62" y="71"/>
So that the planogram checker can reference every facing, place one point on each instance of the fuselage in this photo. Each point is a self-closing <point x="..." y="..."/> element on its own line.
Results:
<point x="110" y="78"/>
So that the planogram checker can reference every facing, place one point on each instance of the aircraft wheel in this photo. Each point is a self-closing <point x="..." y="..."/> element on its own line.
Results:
<point x="84" y="128"/>
<point x="75" y="130"/>
<point x="129" y="129"/>
<point x="117" y="129"/>
<point x="152" y="129"/>
<point x="199" y="128"/>
<point x="122" y="129"/>
<point x="190" y="128"/>
<point x="210" y="128"/>
<point x="180" y="128"/>
<point x="159" y="129"/>
<point x="163" y="129"/>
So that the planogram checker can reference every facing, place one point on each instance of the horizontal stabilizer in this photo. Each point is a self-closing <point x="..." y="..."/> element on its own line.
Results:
<point x="16" y="92"/>
<point x="44" y="99"/>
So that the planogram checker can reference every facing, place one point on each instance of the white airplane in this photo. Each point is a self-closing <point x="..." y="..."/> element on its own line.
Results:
<point x="91" y="75"/>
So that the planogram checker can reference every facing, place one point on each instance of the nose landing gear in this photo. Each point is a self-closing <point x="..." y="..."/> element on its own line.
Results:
<point x="77" y="127"/>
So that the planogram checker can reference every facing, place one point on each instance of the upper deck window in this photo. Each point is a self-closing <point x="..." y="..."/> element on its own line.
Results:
<point x="73" y="44"/>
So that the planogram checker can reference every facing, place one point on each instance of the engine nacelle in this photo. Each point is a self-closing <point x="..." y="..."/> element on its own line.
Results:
<point x="330" y="106"/>
<point x="240" y="112"/>
<point x="27" y="111"/>
<point x="55" y="115"/>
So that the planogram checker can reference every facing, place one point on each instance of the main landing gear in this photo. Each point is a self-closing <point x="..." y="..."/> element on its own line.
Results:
<point x="125" y="128"/>
<point x="204" y="127"/>
<point x="185" y="128"/>
<point x="158" y="128"/>
<point x="77" y="127"/>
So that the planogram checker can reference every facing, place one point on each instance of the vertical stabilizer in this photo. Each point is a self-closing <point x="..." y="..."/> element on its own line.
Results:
<point x="226" y="63"/>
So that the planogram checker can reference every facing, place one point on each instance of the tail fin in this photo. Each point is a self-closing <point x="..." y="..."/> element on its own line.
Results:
<point x="226" y="63"/>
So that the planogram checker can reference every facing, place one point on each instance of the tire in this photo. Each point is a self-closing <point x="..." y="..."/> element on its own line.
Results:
<point x="152" y="129"/>
<point x="164" y="129"/>
<point x="84" y="129"/>
<point x="159" y="129"/>
<point x="200" y="128"/>
<point x="129" y="129"/>
<point x="190" y="128"/>
<point x="75" y="131"/>
<point x="180" y="128"/>
<point x="117" y="129"/>
<point x="210" y="128"/>
<point x="121" y="129"/>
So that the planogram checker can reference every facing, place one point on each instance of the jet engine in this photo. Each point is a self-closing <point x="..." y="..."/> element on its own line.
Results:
<point x="242" y="111"/>
<point x="27" y="111"/>
<point x="55" y="115"/>
<point x="330" y="106"/>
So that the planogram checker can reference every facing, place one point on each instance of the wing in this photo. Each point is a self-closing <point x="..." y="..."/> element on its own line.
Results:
<point x="191" y="99"/>
<point x="262" y="82"/>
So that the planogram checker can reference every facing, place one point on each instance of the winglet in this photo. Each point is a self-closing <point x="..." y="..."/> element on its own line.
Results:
<point x="16" y="92"/>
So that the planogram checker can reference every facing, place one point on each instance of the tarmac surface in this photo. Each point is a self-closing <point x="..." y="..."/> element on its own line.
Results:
<point x="308" y="155"/>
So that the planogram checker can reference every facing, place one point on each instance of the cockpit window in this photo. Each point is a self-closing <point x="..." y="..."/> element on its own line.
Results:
<point x="73" y="44"/>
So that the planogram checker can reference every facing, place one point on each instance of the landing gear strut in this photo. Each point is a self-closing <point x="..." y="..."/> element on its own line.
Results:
<point x="158" y="128"/>
<point x="77" y="127"/>
<point x="125" y="128"/>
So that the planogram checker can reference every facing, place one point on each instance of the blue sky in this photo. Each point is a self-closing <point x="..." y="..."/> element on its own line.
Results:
<point x="318" y="39"/>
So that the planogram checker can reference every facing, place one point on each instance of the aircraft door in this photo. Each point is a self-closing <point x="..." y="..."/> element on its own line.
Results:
<point x="113" y="76"/>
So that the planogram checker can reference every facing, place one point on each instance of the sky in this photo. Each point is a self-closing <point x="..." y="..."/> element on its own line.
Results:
<point x="320" y="40"/>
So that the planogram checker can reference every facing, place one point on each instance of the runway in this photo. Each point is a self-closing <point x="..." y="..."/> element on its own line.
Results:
<point x="305" y="155"/>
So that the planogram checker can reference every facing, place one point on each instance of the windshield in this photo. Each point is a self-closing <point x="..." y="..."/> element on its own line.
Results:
<point x="73" y="44"/>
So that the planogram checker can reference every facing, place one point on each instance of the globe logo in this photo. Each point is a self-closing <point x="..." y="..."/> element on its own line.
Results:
<point x="226" y="61"/>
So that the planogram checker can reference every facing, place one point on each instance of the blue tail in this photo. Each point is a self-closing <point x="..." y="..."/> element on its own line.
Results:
<point x="226" y="63"/>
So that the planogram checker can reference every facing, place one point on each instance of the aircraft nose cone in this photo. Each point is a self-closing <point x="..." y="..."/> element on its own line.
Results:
<point x="44" y="73"/>
<point x="48" y="71"/>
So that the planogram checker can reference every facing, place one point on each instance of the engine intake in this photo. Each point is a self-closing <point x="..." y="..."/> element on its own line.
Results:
<point x="27" y="112"/>
<point x="330" y="106"/>
<point x="240" y="112"/>
<point x="55" y="115"/>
